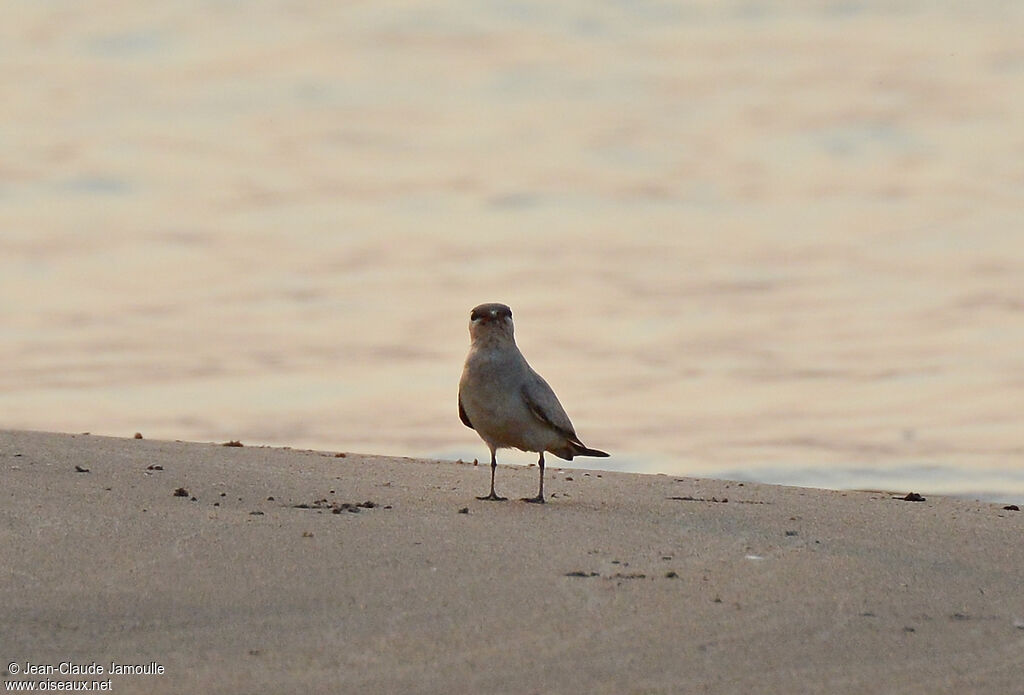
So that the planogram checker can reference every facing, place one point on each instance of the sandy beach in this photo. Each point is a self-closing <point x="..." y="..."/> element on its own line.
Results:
<point x="249" y="569"/>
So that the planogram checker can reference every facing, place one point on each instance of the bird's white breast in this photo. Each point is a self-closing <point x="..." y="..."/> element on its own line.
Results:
<point x="491" y="392"/>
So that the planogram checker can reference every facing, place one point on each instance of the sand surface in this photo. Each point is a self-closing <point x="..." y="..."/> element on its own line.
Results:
<point x="623" y="583"/>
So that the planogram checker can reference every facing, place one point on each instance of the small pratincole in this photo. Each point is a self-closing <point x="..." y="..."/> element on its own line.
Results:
<point x="506" y="402"/>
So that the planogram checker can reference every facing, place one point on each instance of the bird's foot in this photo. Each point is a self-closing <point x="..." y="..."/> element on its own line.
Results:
<point x="539" y="499"/>
<point x="493" y="498"/>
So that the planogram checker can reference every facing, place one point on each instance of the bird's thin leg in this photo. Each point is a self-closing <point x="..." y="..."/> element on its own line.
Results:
<point x="493" y="496"/>
<point x="539" y="499"/>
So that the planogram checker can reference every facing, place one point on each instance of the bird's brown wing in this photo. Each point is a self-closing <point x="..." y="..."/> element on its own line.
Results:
<point x="544" y="405"/>
<point x="463" y="416"/>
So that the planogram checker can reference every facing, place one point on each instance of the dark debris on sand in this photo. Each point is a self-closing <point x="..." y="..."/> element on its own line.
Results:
<point x="339" y="507"/>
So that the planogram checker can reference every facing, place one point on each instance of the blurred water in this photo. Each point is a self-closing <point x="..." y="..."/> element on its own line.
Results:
<point x="770" y="241"/>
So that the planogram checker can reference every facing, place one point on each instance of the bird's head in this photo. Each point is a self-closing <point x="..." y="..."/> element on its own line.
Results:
<point x="490" y="322"/>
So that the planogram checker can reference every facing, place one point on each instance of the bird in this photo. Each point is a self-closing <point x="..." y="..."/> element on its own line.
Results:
<point x="507" y="402"/>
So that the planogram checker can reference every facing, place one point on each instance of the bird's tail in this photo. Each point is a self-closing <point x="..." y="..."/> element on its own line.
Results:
<point x="581" y="450"/>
